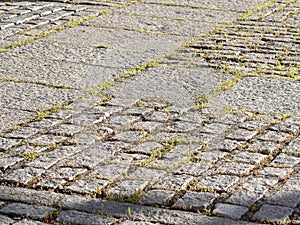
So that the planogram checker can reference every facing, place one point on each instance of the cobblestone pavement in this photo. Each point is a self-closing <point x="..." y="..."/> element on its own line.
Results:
<point x="149" y="112"/>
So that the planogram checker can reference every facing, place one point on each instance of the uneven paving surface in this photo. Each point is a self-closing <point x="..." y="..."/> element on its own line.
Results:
<point x="149" y="112"/>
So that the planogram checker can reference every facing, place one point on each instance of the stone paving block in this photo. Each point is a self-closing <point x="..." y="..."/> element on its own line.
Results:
<point x="215" y="128"/>
<point x="128" y="188"/>
<point x="211" y="156"/>
<point x="76" y="217"/>
<point x="235" y="5"/>
<point x="230" y="119"/>
<point x="251" y="158"/>
<point x="19" y="95"/>
<point x="196" y="201"/>
<point x="280" y="173"/>
<point x="144" y="173"/>
<point x="157" y="197"/>
<point x="22" y="133"/>
<point x="286" y="128"/>
<point x="233" y="168"/>
<point x="88" y="185"/>
<point x="111" y="171"/>
<point x="51" y="184"/>
<point x="6" y="143"/>
<point x="44" y="123"/>
<point x="227" y="145"/>
<point x="47" y="140"/>
<point x="65" y="130"/>
<point x="12" y="117"/>
<point x="23" y="176"/>
<point x="9" y="161"/>
<point x="264" y="147"/>
<point x="66" y="173"/>
<point x="253" y="125"/>
<point x="219" y="183"/>
<point x="19" y="209"/>
<point x="184" y="127"/>
<point x="242" y="134"/>
<point x="128" y="158"/>
<point x="5" y="220"/>
<point x="152" y="24"/>
<point x="275" y="136"/>
<point x="180" y="13"/>
<point x="194" y="169"/>
<point x="286" y="198"/>
<point x="283" y="160"/>
<point x="133" y="137"/>
<point x="244" y="198"/>
<point x="146" y="147"/>
<point x="231" y="211"/>
<point x="124" y="120"/>
<point x="174" y="182"/>
<point x="257" y="94"/>
<point x="117" y="39"/>
<point x="293" y="148"/>
<point x="273" y="214"/>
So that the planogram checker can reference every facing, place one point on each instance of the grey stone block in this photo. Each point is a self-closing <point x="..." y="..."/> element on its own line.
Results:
<point x="152" y="24"/>
<point x="128" y="188"/>
<point x="23" y="176"/>
<point x="9" y="161"/>
<point x="76" y="217"/>
<point x="264" y="147"/>
<point x="111" y="171"/>
<point x="272" y="213"/>
<point x="19" y="95"/>
<point x="146" y="147"/>
<point x="157" y="197"/>
<point x="88" y="185"/>
<point x="39" y="212"/>
<point x="194" y="169"/>
<point x="196" y="201"/>
<point x="144" y="173"/>
<point x="250" y="157"/>
<point x="217" y="182"/>
<point x="173" y="182"/>
<point x="231" y="211"/>
<point x="235" y="5"/>
<point x="180" y="13"/>
<point x="283" y="160"/>
<point x="118" y="39"/>
<point x="232" y="168"/>
<point x="6" y="143"/>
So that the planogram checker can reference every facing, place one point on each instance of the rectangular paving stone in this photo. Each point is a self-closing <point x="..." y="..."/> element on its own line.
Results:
<point x="232" y="168"/>
<point x="173" y="182"/>
<point x="128" y="188"/>
<point x="152" y="24"/>
<point x="118" y="39"/>
<point x="230" y="211"/>
<point x="88" y="186"/>
<point x="235" y="5"/>
<point x="283" y="160"/>
<point x="257" y="94"/>
<point x="22" y="176"/>
<point x="219" y="183"/>
<point x="6" y="143"/>
<point x="32" y="97"/>
<point x="111" y="171"/>
<point x="157" y="197"/>
<point x="5" y="220"/>
<point x="76" y="217"/>
<point x="195" y="201"/>
<point x="180" y="13"/>
<point x="273" y="214"/>
<point x="19" y="209"/>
